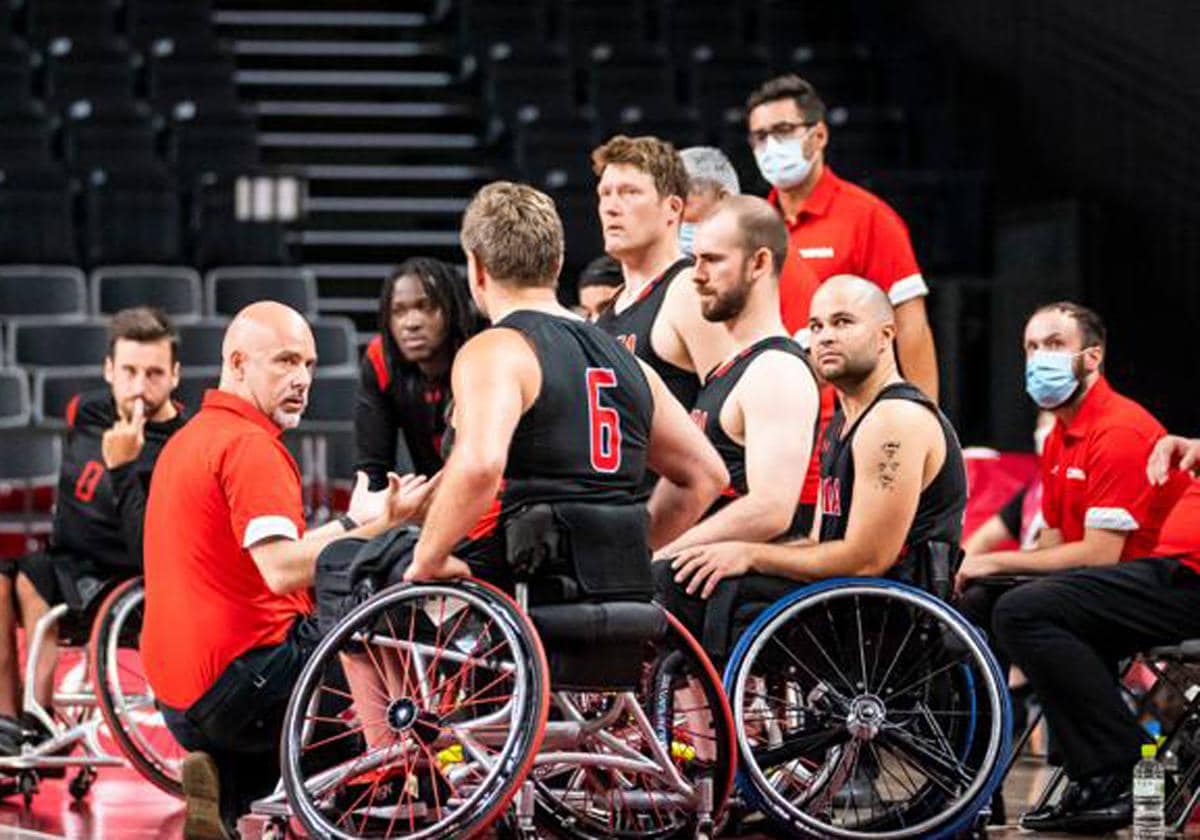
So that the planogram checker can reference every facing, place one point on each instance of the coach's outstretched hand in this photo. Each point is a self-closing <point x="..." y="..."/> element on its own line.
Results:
<point x="1171" y="451"/>
<point x="408" y="497"/>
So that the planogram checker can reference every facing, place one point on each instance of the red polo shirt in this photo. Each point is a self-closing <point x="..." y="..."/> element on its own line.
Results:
<point x="843" y="229"/>
<point x="1094" y="473"/>
<point x="223" y="482"/>
<point x="1180" y="534"/>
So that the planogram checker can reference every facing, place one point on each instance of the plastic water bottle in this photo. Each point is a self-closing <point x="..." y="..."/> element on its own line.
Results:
<point x="1148" y="796"/>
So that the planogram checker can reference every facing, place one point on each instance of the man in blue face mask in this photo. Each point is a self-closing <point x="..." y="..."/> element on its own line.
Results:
<point x="1110" y="587"/>
<point x="711" y="178"/>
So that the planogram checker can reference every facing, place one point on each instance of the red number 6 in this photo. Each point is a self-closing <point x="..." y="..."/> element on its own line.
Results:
<point x="604" y="424"/>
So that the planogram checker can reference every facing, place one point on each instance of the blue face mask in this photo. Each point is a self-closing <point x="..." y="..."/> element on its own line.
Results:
<point x="687" y="237"/>
<point x="1050" y="378"/>
<point x="782" y="162"/>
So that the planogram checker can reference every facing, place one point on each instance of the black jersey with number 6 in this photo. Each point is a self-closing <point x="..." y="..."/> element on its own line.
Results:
<point x="584" y="438"/>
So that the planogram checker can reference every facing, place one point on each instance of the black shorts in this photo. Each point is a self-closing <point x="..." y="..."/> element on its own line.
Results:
<point x="66" y="579"/>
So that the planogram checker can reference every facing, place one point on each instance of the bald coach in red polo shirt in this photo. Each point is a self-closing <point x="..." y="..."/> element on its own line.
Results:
<point x="834" y="227"/>
<point x="1113" y="587"/>
<point x="229" y="566"/>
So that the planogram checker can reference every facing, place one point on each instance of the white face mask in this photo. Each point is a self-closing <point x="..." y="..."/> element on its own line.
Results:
<point x="782" y="162"/>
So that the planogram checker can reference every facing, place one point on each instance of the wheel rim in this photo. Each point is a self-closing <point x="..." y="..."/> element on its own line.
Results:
<point x="450" y="717"/>
<point x="141" y="724"/>
<point x="884" y="718"/>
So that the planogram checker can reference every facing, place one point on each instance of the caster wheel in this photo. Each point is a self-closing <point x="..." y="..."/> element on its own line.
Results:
<point x="81" y="784"/>
<point x="27" y="785"/>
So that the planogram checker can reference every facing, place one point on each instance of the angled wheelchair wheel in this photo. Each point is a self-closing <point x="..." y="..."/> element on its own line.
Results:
<point x="867" y="709"/>
<point x="655" y="762"/>
<point x="418" y="715"/>
<point x="123" y="694"/>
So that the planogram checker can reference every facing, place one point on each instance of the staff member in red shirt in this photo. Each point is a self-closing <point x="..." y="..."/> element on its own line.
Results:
<point x="834" y="227"/>
<point x="229" y="566"/>
<point x="1116" y="592"/>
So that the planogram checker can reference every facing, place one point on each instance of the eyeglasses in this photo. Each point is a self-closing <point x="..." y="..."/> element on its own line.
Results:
<point x="780" y="131"/>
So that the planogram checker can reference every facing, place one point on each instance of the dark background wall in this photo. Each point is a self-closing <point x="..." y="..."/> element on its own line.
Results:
<point x="1096" y="114"/>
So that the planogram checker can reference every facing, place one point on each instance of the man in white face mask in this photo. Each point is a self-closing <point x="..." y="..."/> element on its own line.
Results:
<point x="711" y="179"/>
<point x="834" y="227"/>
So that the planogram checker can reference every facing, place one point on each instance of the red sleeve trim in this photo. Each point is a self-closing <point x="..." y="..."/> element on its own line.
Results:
<point x="378" y="362"/>
<point x="71" y="411"/>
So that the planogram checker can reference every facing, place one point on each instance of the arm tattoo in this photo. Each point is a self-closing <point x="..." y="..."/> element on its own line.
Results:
<point x="889" y="465"/>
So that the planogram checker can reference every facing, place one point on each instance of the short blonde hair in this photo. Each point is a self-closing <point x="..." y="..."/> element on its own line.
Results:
<point x="657" y="158"/>
<point x="515" y="231"/>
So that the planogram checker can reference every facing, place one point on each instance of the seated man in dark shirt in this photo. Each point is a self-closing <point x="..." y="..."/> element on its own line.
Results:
<point x="114" y="437"/>
<point x="425" y="315"/>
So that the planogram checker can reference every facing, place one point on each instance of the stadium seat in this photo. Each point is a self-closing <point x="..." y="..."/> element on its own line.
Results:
<point x="152" y="20"/>
<point x="531" y="82"/>
<point x="617" y="82"/>
<point x="29" y="461"/>
<point x="842" y="74"/>
<point x="54" y="388"/>
<point x="483" y="23"/>
<point x="208" y="138"/>
<point x="678" y="126"/>
<point x="193" y="382"/>
<point x="16" y="77"/>
<point x="200" y="343"/>
<point x="84" y="71"/>
<point x="49" y="19"/>
<point x="55" y="342"/>
<point x="331" y="401"/>
<point x="220" y="238"/>
<point x="581" y="226"/>
<point x="25" y="139"/>
<point x="784" y="23"/>
<point x="132" y="216"/>
<point x="174" y="289"/>
<point x="586" y="23"/>
<point x="176" y="76"/>
<point x="228" y="290"/>
<point x="550" y="149"/>
<point x="109" y="134"/>
<point x="718" y="81"/>
<point x="42" y="290"/>
<point x="867" y="139"/>
<point x="36" y="220"/>
<point x="336" y="349"/>
<point x="687" y="24"/>
<point x="15" y="407"/>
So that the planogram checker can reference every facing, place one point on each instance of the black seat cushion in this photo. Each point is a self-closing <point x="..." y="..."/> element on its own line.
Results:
<point x="597" y="646"/>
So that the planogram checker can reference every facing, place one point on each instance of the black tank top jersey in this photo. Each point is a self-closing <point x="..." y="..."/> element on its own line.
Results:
<point x="940" y="510"/>
<point x="585" y="436"/>
<point x="707" y="415"/>
<point x="632" y="328"/>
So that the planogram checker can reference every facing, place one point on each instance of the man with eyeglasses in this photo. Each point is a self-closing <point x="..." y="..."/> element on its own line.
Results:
<point x="1121" y="572"/>
<point x="834" y="227"/>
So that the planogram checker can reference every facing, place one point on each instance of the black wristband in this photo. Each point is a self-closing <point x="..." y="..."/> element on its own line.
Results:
<point x="346" y="522"/>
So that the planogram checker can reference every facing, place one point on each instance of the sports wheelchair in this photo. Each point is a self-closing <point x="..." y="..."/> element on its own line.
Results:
<point x="869" y="708"/>
<point x="102" y="704"/>
<point x="586" y="707"/>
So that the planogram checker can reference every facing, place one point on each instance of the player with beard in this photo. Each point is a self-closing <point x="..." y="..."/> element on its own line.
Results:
<point x="113" y="440"/>
<point x="753" y="407"/>
<point x="642" y="189"/>
<point x="425" y="315"/>
<point x="893" y="484"/>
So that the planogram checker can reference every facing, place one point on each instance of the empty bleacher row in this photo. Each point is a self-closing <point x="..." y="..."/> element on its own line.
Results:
<point x="53" y="338"/>
<point x="121" y="134"/>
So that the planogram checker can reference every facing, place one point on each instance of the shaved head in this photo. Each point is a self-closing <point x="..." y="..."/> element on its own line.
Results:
<point x="852" y="326"/>
<point x="857" y="295"/>
<point x="267" y="358"/>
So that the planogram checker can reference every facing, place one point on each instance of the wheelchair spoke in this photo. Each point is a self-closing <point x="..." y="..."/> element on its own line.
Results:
<point x="943" y="770"/>
<point x="802" y="747"/>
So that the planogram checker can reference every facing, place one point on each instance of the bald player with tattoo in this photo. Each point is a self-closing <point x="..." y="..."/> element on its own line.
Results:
<point x="893" y="484"/>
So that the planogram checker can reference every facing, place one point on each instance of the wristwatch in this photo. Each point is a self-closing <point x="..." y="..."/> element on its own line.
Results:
<point x="347" y="522"/>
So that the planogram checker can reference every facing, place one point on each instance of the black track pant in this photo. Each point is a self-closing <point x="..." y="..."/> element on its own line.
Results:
<point x="1068" y="631"/>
